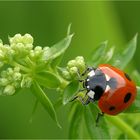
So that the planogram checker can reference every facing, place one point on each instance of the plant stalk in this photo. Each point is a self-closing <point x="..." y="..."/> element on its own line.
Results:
<point x="123" y="126"/>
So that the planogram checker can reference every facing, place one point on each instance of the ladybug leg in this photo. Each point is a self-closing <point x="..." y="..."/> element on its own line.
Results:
<point x="87" y="70"/>
<point x="98" y="117"/>
<point x="82" y="100"/>
<point x="81" y="80"/>
<point x="80" y="90"/>
<point x="83" y="74"/>
<point x="73" y="99"/>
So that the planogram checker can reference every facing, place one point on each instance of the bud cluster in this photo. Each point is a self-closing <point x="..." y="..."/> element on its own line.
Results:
<point x="13" y="62"/>
<point x="10" y="80"/>
<point x="74" y="67"/>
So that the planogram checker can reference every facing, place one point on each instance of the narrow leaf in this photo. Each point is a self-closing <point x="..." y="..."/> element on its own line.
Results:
<point x="96" y="56"/>
<point x="109" y="52"/>
<point x="75" y="130"/>
<point x="70" y="91"/>
<point x="47" y="79"/>
<point x="135" y="107"/>
<point x="95" y="132"/>
<point x="33" y="111"/>
<point x="45" y="101"/>
<point x="55" y="62"/>
<point x="68" y="30"/>
<point x="123" y="57"/>
<point x="60" y="47"/>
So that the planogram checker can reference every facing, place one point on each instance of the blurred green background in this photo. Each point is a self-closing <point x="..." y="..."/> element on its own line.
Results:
<point x="92" y="23"/>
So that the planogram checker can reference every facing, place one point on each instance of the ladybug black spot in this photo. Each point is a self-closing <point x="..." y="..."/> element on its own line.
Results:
<point x="127" y="97"/>
<point x="127" y="76"/>
<point x="112" y="108"/>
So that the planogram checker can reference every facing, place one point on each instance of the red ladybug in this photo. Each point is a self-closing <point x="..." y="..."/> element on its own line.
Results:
<point x="112" y="88"/>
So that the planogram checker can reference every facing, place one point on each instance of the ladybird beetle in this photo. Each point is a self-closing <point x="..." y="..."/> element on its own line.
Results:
<point x="112" y="88"/>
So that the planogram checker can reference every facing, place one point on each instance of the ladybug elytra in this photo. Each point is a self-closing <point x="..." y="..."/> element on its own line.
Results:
<point x="112" y="88"/>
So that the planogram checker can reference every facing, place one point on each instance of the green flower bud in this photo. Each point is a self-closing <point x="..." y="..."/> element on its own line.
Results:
<point x="17" y="76"/>
<point x="38" y="48"/>
<point x="26" y="82"/>
<point x="4" y="73"/>
<point x="81" y="65"/>
<point x="46" y="48"/>
<point x="16" y="69"/>
<point x="32" y="54"/>
<point x="73" y="71"/>
<point x="38" y="51"/>
<point x="66" y="75"/>
<point x="29" y="46"/>
<point x="9" y="71"/>
<point x="10" y="52"/>
<point x="1" y="55"/>
<point x="19" y="46"/>
<point x="9" y="90"/>
<point x="71" y="63"/>
<point x="81" y="58"/>
<point x="16" y="39"/>
<point x="16" y="84"/>
<point x="27" y="39"/>
<point x="3" y="81"/>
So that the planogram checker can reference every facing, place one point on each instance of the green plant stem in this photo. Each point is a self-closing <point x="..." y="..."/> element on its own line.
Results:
<point x="119" y="123"/>
<point x="64" y="82"/>
<point x="25" y="69"/>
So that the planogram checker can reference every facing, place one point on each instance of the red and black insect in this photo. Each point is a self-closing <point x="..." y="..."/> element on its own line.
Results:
<point x="111" y="87"/>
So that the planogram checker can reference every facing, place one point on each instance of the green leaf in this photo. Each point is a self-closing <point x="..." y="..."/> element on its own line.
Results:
<point x="96" y="56"/>
<point x="136" y="76"/>
<point x="96" y="132"/>
<point x="69" y="92"/>
<point x="55" y="62"/>
<point x="33" y="111"/>
<point x="59" y="48"/>
<point x="109" y="52"/>
<point x="135" y="107"/>
<point x="47" y="79"/>
<point x="123" y="57"/>
<point x="76" y="124"/>
<point x="45" y="101"/>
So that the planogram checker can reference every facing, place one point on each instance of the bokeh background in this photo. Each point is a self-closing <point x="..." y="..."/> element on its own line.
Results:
<point x="92" y="23"/>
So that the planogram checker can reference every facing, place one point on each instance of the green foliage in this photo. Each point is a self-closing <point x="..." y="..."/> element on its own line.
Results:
<point x="25" y="66"/>
<point x="42" y="97"/>
<point x="96" y="56"/>
<point x="47" y="79"/>
<point x="70" y="90"/>
<point x="123" y="56"/>
<point x="76" y="125"/>
<point x="101" y="131"/>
